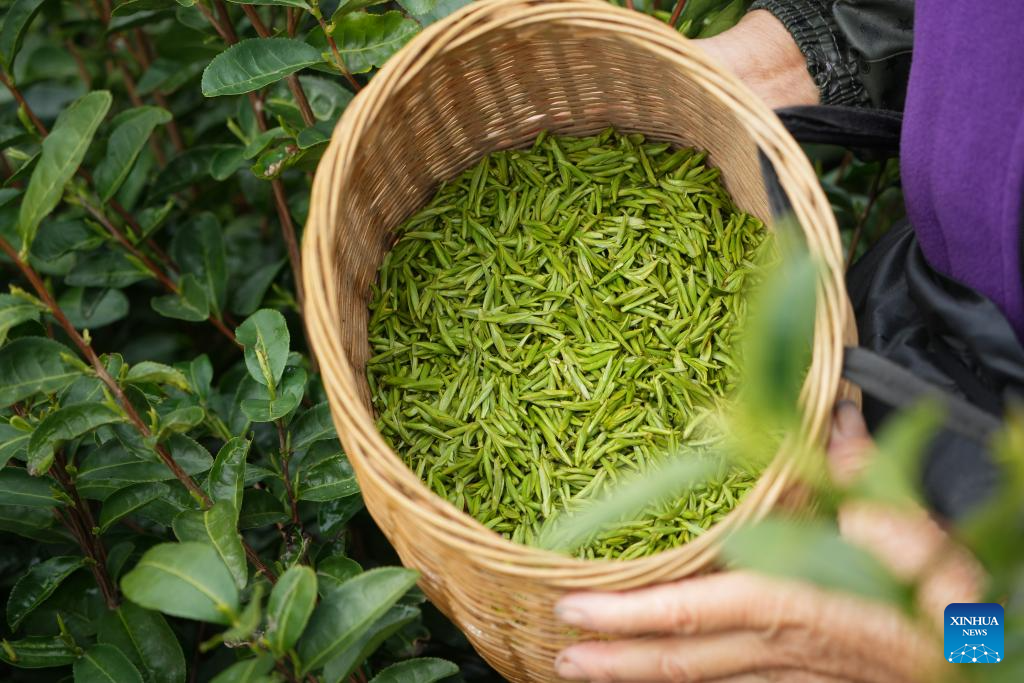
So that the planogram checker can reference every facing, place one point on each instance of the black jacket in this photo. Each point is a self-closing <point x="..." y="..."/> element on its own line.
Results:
<point x="858" y="51"/>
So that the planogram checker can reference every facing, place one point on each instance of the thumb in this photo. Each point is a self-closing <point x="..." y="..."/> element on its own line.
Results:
<point x="850" y="445"/>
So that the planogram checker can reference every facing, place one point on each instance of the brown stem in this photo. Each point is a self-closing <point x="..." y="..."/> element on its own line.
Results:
<point x="101" y="372"/>
<point x="20" y="99"/>
<point x="676" y="11"/>
<point x="862" y="219"/>
<point x="133" y="95"/>
<point x="629" y="4"/>
<point x="337" y="54"/>
<point x="81" y="524"/>
<point x="293" y="81"/>
<point x="123" y="240"/>
<point x="83" y="72"/>
<point x="292" y="21"/>
<point x="227" y="32"/>
<point x="115" y="389"/>
<point x="290" y="240"/>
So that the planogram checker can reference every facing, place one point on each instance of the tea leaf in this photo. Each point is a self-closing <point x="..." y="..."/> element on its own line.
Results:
<point x="185" y="580"/>
<point x="291" y="603"/>
<point x="37" y="584"/>
<point x="103" y="664"/>
<point x="62" y="152"/>
<point x="147" y="640"/>
<point x="349" y="612"/>
<point x="252" y="64"/>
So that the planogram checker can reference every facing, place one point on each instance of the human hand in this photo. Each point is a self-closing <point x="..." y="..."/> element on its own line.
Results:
<point x="740" y="627"/>
<point x="764" y="55"/>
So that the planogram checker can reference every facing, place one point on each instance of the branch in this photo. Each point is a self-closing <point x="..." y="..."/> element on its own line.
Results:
<point x="293" y="81"/>
<point x="115" y="389"/>
<point x="80" y="523"/>
<point x="282" y="438"/>
<point x="5" y="79"/>
<point x="676" y="12"/>
<point x="334" y="50"/>
<point x="224" y="28"/>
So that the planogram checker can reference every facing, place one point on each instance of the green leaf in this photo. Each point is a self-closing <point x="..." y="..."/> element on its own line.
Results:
<point x="148" y="641"/>
<point x="812" y="551"/>
<point x="334" y="571"/>
<point x="62" y="425"/>
<point x="326" y="475"/>
<point x="418" y="7"/>
<point x="246" y="671"/>
<point x="132" y="130"/>
<point x="37" y="584"/>
<point x="311" y="426"/>
<point x="301" y="4"/>
<point x="349" y="612"/>
<point x="192" y="303"/>
<point x="180" y="420"/>
<point x="15" y="310"/>
<point x="62" y="152"/>
<point x="226" y="162"/>
<point x="185" y="580"/>
<point x="289" y="395"/>
<point x="187" y="168"/>
<point x="105" y="664"/>
<point x="216" y="527"/>
<point x="122" y="503"/>
<point x="247" y="623"/>
<point x="93" y="308"/>
<point x="126" y="7"/>
<point x="334" y="515"/>
<point x="266" y="339"/>
<point x="17" y="487"/>
<point x="248" y="296"/>
<point x="13" y="441"/>
<point x="367" y="40"/>
<point x="260" y="508"/>
<point x="112" y="466"/>
<point x="422" y="670"/>
<point x="778" y="345"/>
<point x="227" y="476"/>
<point x="252" y="64"/>
<point x="150" y="372"/>
<point x="291" y="603"/>
<point x="36" y="523"/>
<point x="58" y="238"/>
<point x="16" y="22"/>
<point x="199" y="251"/>
<point x="342" y="666"/>
<point x="34" y="364"/>
<point x="107" y="268"/>
<point x="37" y="652"/>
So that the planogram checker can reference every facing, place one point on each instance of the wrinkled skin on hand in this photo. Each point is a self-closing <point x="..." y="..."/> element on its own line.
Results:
<point x="740" y="627"/>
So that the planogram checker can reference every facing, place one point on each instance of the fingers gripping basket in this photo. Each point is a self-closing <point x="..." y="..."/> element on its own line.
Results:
<point x="491" y="77"/>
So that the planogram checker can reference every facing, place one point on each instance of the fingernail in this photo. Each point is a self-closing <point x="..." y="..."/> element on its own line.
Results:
<point x="570" y="615"/>
<point x="847" y="421"/>
<point x="567" y="668"/>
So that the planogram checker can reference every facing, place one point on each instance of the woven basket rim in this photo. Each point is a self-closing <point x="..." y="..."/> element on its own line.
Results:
<point x="383" y="467"/>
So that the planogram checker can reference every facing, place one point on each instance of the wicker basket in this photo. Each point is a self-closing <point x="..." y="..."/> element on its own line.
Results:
<point x="490" y="77"/>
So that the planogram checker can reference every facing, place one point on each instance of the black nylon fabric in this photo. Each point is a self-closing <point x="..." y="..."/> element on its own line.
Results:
<point x="949" y="335"/>
<point x="939" y="329"/>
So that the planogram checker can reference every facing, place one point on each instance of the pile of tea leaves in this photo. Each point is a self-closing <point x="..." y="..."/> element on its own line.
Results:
<point x="558" y="318"/>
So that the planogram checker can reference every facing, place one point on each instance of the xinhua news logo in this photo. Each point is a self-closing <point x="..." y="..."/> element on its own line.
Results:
<point x="974" y="633"/>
